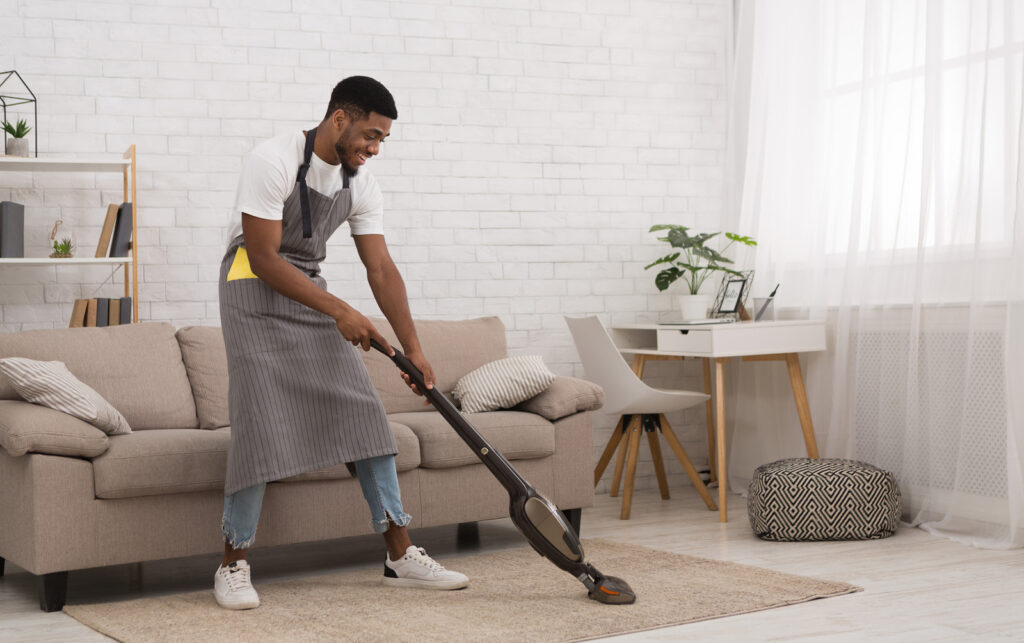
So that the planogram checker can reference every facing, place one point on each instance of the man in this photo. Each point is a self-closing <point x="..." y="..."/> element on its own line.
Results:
<point x="300" y="398"/>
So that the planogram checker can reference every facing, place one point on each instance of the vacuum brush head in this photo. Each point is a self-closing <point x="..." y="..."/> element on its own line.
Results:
<point x="613" y="591"/>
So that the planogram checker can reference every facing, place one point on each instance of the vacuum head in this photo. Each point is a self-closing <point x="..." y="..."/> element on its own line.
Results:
<point x="613" y="591"/>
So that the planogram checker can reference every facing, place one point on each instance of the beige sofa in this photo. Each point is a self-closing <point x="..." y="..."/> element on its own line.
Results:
<point x="72" y="497"/>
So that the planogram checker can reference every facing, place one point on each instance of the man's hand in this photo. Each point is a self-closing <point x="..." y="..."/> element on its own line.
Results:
<point x="359" y="330"/>
<point x="420" y="362"/>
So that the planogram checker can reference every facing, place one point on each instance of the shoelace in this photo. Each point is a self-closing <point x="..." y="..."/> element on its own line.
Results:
<point x="238" y="578"/>
<point x="428" y="562"/>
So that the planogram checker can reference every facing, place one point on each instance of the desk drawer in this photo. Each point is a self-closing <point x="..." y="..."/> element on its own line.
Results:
<point x="684" y="340"/>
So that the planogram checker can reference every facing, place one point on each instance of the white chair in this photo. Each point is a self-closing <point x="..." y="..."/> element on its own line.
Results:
<point x="640" y="408"/>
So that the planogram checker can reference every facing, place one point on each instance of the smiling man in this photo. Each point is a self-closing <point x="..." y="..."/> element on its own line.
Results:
<point x="300" y="398"/>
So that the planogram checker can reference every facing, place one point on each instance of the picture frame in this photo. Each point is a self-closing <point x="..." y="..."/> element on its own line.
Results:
<point x="733" y="293"/>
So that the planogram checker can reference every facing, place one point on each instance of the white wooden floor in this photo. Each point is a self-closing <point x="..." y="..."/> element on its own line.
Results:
<point x="916" y="587"/>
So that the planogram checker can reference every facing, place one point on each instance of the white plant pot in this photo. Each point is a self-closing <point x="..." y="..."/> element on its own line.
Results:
<point x="694" y="306"/>
<point x="17" y="146"/>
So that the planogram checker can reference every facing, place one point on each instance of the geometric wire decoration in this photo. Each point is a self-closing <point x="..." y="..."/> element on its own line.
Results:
<point x="9" y="100"/>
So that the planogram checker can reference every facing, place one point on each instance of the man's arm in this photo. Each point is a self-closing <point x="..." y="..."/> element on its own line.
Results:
<point x="262" y="243"/>
<point x="389" y="291"/>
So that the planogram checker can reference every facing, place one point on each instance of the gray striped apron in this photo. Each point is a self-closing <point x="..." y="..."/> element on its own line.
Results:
<point x="299" y="396"/>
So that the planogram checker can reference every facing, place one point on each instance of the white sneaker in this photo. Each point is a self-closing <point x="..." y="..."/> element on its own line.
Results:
<point x="416" y="569"/>
<point x="232" y="587"/>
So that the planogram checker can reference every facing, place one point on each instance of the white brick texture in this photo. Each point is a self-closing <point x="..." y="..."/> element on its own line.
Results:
<point x="537" y="141"/>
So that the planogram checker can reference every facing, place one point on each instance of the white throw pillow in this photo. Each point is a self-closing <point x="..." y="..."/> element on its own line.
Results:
<point x="52" y="385"/>
<point x="503" y="383"/>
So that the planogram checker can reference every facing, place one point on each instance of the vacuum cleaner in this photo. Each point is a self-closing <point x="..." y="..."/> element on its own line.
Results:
<point x="537" y="518"/>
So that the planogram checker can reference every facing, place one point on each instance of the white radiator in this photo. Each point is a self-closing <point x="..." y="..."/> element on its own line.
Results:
<point x="932" y="409"/>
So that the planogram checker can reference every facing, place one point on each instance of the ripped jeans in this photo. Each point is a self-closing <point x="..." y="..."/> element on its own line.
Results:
<point x="377" y="477"/>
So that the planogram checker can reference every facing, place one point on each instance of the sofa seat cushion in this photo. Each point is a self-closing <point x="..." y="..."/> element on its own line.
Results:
<point x="136" y="367"/>
<point x="151" y="463"/>
<point x="517" y="435"/>
<point x="408" y="457"/>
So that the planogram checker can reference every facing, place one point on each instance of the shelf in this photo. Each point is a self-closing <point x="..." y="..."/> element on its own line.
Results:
<point x="46" y="261"/>
<point x="63" y="164"/>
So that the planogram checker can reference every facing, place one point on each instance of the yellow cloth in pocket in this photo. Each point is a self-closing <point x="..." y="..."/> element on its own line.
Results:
<point x="240" y="268"/>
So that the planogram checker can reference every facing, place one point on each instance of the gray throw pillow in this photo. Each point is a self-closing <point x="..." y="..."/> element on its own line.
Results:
<point x="503" y="383"/>
<point x="52" y="385"/>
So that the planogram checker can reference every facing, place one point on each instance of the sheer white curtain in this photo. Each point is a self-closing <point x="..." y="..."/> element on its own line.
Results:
<point x="878" y="162"/>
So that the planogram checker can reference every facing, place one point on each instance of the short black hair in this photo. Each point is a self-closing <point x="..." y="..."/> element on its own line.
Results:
<point x="360" y="95"/>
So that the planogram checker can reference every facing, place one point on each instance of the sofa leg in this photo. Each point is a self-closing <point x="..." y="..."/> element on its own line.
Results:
<point x="467" y="536"/>
<point x="574" y="517"/>
<point x="1" y="567"/>
<point x="53" y="591"/>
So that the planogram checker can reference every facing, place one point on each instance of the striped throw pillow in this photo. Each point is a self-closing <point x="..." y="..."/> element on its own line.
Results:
<point x="503" y="383"/>
<point x="52" y="385"/>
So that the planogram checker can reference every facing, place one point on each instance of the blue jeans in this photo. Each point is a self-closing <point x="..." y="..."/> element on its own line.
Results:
<point x="377" y="477"/>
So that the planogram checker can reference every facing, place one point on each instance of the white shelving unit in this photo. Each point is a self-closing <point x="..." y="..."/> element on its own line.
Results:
<point x="126" y="166"/>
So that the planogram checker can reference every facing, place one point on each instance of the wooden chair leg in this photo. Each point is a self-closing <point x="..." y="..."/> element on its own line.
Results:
<point x="659" y="465"/>
<point x="677" y="448"/>
<point x="606" y="457"/>
<point x="635" y="429"/>
<point x="620" y="461"/>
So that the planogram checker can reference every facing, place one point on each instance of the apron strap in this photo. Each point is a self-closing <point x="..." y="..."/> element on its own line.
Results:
<point x="307" y="220"/>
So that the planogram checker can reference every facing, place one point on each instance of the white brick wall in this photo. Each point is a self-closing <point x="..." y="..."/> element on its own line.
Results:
<point x="537" y="142"/>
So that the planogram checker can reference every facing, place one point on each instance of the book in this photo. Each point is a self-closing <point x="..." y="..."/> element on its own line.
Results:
<point x="78" y="313"/>
<point x="12" y="229"/>
<point x="108" y="229"/>
<point x="114" y="314"/>
<point x="102" y="311"/>
<point x="90" y="313"/>
<point x="126" y="310"/>
<point x="121" y="242"/>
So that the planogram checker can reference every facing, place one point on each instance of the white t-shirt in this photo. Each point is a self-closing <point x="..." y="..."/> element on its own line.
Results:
<point x="268" y="177"/>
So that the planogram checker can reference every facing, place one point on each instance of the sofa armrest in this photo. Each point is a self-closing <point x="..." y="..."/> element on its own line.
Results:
<point x="28" y="427"/>
<point x="565" y="396"/>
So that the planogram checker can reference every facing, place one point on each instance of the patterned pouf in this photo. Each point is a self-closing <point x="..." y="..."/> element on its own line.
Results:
<point x="808" y="499"/>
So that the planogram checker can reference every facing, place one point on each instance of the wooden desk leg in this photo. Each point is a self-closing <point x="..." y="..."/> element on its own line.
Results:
<point x="723" y="480"/>
<point x="709" y="414"/>
<point x="635" y="429"/>
<point x="606" y="457"/>
<point x="803" y="409"/>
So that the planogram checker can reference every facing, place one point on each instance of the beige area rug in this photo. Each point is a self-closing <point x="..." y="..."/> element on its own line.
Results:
<point x="513" y="596"/>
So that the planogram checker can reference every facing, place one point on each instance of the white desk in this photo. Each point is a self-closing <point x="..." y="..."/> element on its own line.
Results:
<point x="751" y="341"/>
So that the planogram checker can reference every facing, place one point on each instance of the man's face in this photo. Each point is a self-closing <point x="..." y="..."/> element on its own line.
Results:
<point x="360" y="140"/>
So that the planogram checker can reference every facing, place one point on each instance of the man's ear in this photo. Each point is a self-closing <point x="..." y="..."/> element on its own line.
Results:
<point x="339" y="118"/>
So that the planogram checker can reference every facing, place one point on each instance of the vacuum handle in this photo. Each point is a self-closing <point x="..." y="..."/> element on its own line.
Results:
<point x="403" y="363"/>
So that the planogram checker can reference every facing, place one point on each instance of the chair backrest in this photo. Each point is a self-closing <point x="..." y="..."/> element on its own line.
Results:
<point x="604" y="364"/>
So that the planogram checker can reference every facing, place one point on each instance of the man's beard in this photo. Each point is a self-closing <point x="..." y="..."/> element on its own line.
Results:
<point x="342" y="155"/>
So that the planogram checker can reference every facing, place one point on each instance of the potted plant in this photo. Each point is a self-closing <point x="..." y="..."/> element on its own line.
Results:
<point x="63" y="248"/>
<point x="693" y="262"/>
<point x="17" y="145"/>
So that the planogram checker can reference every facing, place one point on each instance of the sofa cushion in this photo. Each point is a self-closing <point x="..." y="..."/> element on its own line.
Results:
<point x="151" y="463"/>
<point x="565" y="396"/>
<point x="454" y="348"/>
<point x="52" y="385"/>
<point x="28" y="427"/>
<point x="206" y="363"/>
<point x="135" y="367"/>
<point x="503" y="383"/>
<point x="518" y="436"/>
<point x="408" y="457"/>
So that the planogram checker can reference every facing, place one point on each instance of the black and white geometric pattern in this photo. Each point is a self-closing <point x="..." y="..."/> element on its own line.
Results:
<point x="821" y="499"/>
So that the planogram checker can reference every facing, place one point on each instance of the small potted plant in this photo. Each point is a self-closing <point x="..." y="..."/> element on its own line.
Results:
<point x="63" y="248"/>
<point x="693" y="262"/>
<point x="17" y="145"/>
